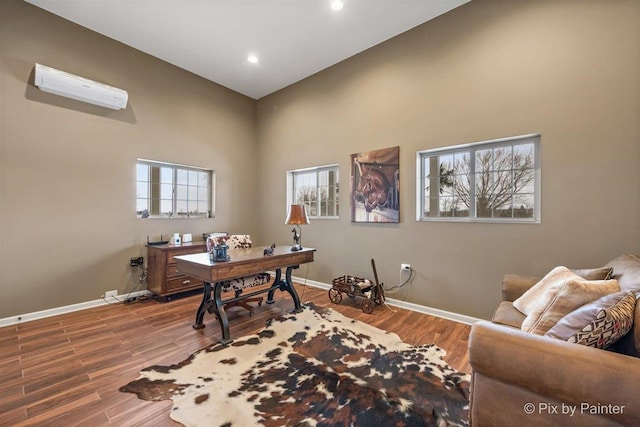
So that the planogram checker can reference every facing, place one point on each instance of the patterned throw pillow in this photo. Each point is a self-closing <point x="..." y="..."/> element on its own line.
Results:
<point x="598" y="324"/>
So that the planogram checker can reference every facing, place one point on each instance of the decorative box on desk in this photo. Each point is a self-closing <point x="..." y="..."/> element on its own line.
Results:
<point x="163" y="277"/>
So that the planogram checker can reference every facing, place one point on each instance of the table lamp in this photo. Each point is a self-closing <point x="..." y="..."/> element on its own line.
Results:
<point x="297" y="215"/>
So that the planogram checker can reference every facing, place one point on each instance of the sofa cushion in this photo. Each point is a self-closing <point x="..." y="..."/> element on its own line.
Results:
<point x="626" y="270"/>
<point x="562" y="298"/>
<point x="506" y="314"/>
<point x="515" y="285"/>
<point x="602" y="273"/>
<point x="599" y="323"/>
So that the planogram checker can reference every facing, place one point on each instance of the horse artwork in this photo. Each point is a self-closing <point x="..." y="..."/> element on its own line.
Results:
<point x="375" y="186"/>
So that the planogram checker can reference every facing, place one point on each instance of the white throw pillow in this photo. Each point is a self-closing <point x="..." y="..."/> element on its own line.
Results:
<point x="532" y="299"/>
<point x="563" y="298"/>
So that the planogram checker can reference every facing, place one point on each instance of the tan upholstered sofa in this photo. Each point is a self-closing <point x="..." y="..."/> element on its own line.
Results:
<point x="525" y="379"/>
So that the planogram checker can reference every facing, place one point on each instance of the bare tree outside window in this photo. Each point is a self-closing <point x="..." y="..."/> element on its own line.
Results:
<point x="495" y="180"/>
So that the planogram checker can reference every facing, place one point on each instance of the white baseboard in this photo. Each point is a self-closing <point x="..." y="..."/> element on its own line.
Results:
<point x="13" y="320"/>
<point x="455" y="317"/>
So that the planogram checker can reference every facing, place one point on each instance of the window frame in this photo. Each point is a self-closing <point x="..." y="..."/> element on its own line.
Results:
<point x="290" y="186"/>
<point x="175" y="168"/>
<point x="472" y="148"/>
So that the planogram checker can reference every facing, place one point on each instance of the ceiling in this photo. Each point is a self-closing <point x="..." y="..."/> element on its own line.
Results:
<point x="292" y="39"/>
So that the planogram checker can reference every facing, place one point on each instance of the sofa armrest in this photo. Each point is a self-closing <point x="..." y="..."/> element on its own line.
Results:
<point x="514" y="285"/>
<point x="556" y="370"/>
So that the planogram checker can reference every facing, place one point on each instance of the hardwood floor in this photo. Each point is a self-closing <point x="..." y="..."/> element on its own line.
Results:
<point x="66" y="370"/>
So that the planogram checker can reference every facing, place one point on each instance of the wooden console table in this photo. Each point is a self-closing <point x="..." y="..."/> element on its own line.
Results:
<point x="244" y="262"/>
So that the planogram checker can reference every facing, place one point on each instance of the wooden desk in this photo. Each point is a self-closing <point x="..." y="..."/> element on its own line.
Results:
<point x="244" y="262"/>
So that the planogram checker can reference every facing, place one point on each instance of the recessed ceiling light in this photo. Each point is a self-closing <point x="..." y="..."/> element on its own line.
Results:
<point x="253" y="59"/>
<point x="337" y="5"/>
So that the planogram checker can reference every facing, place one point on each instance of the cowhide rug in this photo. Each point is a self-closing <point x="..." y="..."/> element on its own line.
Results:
<point x="315" y="368"/>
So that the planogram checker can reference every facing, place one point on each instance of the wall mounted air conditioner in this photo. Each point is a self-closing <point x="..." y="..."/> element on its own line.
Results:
<point x="75" y="87"/>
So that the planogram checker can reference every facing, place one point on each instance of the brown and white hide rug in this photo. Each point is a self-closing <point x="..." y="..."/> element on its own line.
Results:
<point x="314" y="368"/>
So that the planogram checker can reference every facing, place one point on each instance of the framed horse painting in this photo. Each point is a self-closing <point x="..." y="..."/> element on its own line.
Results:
<point x="375" y="186"/>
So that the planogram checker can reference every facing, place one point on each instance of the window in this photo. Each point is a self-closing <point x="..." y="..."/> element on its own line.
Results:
<point x="317" y="188"/>
<point x="167" y="190"/>
<point x="496" y="181"/>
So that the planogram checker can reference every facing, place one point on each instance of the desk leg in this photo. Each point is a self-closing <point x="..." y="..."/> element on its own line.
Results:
<point x="285" y="285"/>
<point x="277" y="281"/>
<point x="288" y="286"/>
<point x="204" y="305"/>
<point x="218" y="310"/>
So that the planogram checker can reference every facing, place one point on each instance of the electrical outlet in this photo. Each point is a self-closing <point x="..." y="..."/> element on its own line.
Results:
<point x="136" y="261"/>
<point x="111" y="294"/>
<point x="405" y="267"/>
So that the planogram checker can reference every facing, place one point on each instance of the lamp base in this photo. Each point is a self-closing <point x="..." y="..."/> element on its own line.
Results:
<point x="296" y="248"/>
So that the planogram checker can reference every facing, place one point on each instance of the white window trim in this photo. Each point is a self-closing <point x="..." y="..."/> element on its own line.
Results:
<point x="500" y="142"/>
<point x="289" y="187"/>
<point x="212" y="200"/>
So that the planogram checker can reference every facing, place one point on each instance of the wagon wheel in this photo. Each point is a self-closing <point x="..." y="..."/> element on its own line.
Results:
<point x="367" y="306"/>
<point x="335" y="296"/>
<point x="377" y="296"/>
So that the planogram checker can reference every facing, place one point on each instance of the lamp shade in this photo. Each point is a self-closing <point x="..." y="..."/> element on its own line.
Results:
<point x="297" y="215"/>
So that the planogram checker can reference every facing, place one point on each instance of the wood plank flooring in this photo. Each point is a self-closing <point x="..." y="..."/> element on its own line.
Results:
<point x="66" y="370"/>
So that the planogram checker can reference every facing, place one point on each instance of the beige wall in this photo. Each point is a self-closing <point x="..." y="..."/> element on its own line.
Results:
<point x="488" y="69"/>
<point x="67" y="200"/>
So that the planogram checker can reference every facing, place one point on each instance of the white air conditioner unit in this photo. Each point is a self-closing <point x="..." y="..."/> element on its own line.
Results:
<point x="71" y="86"/>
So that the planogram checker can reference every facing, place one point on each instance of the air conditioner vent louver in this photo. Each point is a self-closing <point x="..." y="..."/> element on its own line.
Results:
<point x="75" y="87"/>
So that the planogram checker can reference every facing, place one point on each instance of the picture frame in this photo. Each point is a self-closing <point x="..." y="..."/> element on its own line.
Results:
<point x="375" y="186"/>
